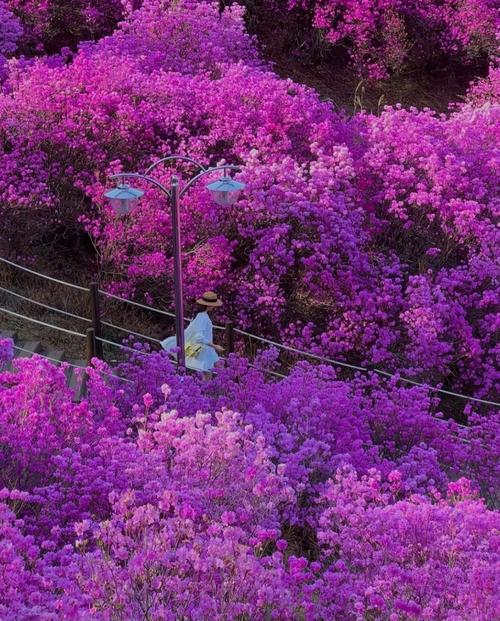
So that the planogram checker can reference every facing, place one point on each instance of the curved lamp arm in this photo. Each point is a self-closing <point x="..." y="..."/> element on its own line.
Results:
<point x="165" y="190"/>
<point x="175" y="158"/>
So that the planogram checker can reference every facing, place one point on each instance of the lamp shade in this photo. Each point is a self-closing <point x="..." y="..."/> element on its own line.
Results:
<point x="225" y="191"/>
<point x="123" y="199"/>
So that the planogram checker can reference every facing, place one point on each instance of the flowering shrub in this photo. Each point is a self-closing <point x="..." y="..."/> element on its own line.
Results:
<point x="439" y="218"/>
<point x="10" y="31"/>
<point x="216" y="504"/>
<point x="51" y="24"/>
<point x="317" y="422"/>
<point x="319" y="499"/>
<point x="486" y="90"/>
<point x="315" y="497"/>
<point x="407" y="559"/>
<point x="381" y="35"/>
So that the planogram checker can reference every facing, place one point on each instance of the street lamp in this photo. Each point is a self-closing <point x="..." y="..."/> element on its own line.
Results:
<point x="124" y="199"/>
<point x="226" y="191"/>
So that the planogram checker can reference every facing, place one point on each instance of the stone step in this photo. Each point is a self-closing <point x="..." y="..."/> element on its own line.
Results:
<point x="56" y="356"/>
<point x="9" y="334"/>
<point x="25" y="349"/>
<point x="76" y="379"/>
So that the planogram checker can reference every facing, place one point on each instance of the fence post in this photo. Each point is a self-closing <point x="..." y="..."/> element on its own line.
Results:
<point x="91" y="343"/>
<point x="91" y="347"/>
<point x="229" y="337"/>
<point x="96" y="319"/>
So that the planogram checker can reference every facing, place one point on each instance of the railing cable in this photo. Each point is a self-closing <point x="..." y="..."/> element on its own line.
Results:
<point x="434" y="389"/>
<point x="41" y="323"/>
<point x="143" y="336"/>
<point x="51" y="308"/>
<point x="61" y="362"/>
<point x="60" y="282"/>
<point x="70" y="364"/>
<point x="247" y="334"/>
<point x="363" y="369"/>
<point x="138" y="304"/>
<point x="301" y="352"/>
<point x="124" y="347"/>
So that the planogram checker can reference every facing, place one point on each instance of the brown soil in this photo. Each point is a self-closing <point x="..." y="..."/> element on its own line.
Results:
<point x="347" y="92"/>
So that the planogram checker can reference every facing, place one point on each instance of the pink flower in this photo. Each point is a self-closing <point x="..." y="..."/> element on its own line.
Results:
<point x="166" y="390"/>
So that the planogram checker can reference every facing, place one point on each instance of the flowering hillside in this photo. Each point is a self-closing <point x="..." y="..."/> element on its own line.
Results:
<point x="370" y="238"/>
<point x="319" y="499"/>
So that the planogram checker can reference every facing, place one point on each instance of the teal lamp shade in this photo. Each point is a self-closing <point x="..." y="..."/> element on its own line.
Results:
<point x="123" y="199"/>
<point x="225" y="191"/>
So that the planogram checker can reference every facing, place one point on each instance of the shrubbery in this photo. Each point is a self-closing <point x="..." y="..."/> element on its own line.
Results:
<point x="321" y="498"/>
<point x="50" y="25"/>
<point x="10" y="32"/>
<point x="168" y="497"/>
<point x="383" y="36"/>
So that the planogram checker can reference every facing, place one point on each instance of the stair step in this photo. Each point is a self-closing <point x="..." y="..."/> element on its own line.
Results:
<point x="73" y="374"/>
<point x="25" y="349"/>
<point x="9" y="334"/>
<point x="55" y="356"/>
<point x="76" y="379"/>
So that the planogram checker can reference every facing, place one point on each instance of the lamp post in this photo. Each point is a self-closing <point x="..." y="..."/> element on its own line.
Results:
<point x="125" y="198"/>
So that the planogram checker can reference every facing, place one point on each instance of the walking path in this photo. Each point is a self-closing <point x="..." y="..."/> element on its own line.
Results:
<point x="95" y="341"/>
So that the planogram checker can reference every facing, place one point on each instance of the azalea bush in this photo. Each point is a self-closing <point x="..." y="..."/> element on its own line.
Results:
<point x="49" y="25"/>
<point x="383" y="36"/>
<point x="377" y="423"/>
<point x="10" y="32"/>
<point x="409" y="558"/>
<point x="168" y="496"/>
<point x="486" y="90"/>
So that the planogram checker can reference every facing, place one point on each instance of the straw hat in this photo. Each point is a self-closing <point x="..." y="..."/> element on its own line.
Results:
<point x="209" y="298"/>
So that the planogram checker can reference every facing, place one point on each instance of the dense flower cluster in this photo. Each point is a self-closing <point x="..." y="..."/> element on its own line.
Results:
<point x="382" y="35"/>
<point x="486" y="90"/>
<point x="52" y="24"/>
<point x="10" y="31"/>
<point x="395" y="560"/>
<point x="439" y="217"/>
<point x="153" y="499"/>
